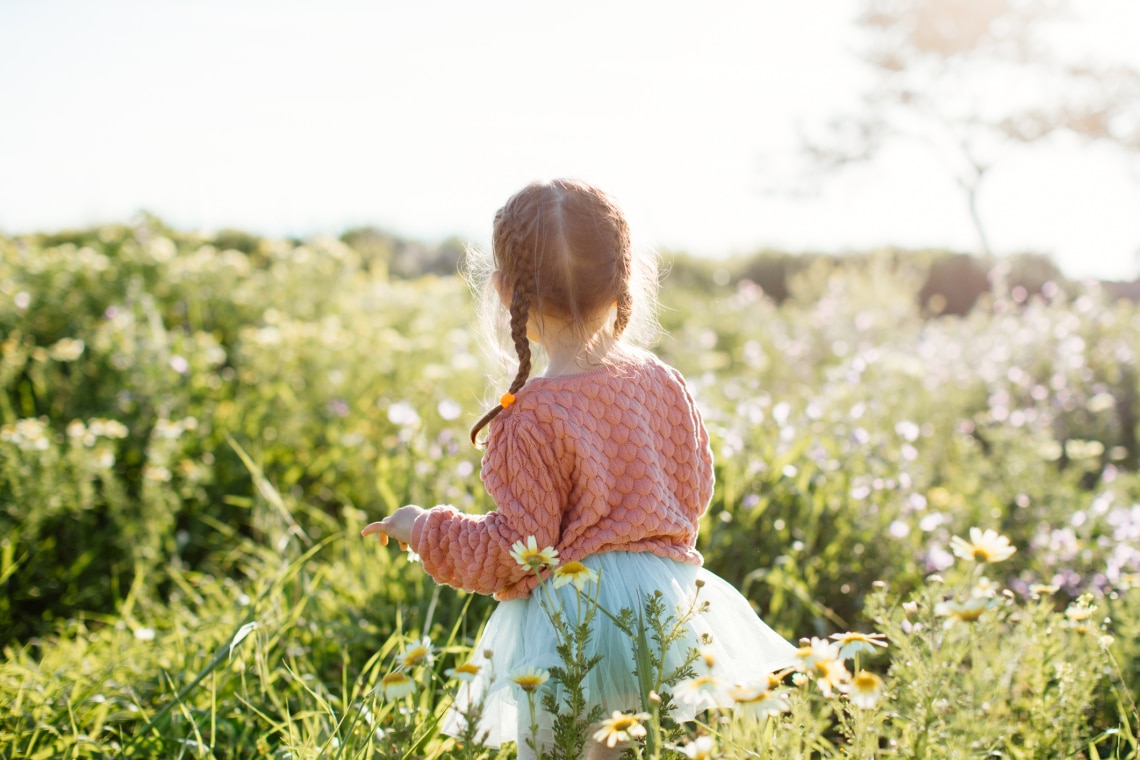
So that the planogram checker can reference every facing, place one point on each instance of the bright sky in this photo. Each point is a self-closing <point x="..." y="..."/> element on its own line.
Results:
<point x="423" y="117"/>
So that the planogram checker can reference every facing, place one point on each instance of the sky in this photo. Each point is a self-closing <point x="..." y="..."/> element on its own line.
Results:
<point x="299" y="118"/>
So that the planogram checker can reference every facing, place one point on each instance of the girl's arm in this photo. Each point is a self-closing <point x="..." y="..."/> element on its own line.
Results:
<point x="527" y="475"/>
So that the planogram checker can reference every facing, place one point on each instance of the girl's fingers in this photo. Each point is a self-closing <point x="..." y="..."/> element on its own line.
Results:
<point x="381" y="531"/>
<point x="378" y="529"/>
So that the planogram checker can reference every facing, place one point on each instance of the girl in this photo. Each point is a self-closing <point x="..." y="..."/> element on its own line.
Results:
<point x="603" y="457"/>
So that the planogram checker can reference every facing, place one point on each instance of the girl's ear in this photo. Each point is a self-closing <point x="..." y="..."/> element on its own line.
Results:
<point x="500" y="286"/>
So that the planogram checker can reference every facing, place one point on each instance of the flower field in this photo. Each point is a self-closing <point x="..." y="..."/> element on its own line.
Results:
<point x="944" y="512"/>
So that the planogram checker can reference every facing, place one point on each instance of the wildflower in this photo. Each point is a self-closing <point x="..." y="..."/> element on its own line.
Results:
<point x="984" y="588"/>
<point x="1080" y="610"/>
<point x="403" y="414"/>
<point x="530" y="679"/>
<point x="1038" y="590"/>
<point x="108" y="428"/>
<point x="819" y="658"/>
<point x="1079" y="614"/>
<point x="464" y="672"/>
<point x="574" y="572"/>
<point x="622" y="727"/>
<point x="703" y="692"/>
<point x="866" y="690"/>
<point x="830" y="674"/>
<point x="1077" y="449"/>
<point x="851" y="643"/>
<point x="449" y="410"/>
<point x="529" y="555"/>
<point x="968" y="611"/>
<point x="29" y="434"/>
<point x="700" y="748"/>
<point x="777" y="678"/>
<point x="985" y="546"/>
<point x="708" y="657"/>
<point x="66" y="350"/>
<point x="164" y="428"/>
<point x="416" y="653"/>
<point x="759" y="701"/>
<point x="396" y="685"/>
<point x="156" y="473"/>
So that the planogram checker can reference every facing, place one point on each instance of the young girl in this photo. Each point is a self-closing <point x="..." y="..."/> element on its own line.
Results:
<point x="603" y="457"/>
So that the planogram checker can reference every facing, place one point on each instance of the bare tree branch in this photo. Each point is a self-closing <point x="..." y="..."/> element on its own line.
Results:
<point x="974" y="80"/>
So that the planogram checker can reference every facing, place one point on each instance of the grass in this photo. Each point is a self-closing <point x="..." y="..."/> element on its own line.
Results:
<point x="191" y="440"/>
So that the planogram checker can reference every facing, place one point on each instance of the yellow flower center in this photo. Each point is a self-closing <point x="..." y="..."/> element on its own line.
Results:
<point x="756" y="696"/>
<point x="529" y="682"/>
<point x="415" y="656"/>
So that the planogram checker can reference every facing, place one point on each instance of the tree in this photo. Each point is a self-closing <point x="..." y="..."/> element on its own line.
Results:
<point x="972" y="80"/>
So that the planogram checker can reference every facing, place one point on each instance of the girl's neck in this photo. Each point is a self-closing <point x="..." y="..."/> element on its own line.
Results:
<point x="570" y="355"/>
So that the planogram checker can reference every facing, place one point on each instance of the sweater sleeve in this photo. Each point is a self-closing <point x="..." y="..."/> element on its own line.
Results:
<point x="523" y="475"/>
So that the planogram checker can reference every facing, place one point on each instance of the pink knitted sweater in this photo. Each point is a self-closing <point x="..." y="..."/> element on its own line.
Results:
<point x="615" y="458"/>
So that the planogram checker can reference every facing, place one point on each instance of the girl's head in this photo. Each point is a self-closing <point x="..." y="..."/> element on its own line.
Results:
<point x="562" y="253"/>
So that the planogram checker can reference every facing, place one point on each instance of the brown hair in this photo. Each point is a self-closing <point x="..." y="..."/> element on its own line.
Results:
<point x="561" y="248"/>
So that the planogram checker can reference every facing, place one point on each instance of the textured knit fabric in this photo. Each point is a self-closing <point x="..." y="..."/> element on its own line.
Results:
<point x="615" y="458"/>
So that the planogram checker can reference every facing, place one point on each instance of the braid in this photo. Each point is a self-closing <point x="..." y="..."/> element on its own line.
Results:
<point x="521" y="298"/>
<point x="561" y="249"/>
<point x="624" y="309"/>
<point x="624" y="267"/>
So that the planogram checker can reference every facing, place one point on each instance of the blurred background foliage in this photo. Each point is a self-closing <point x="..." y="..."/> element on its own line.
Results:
<point x="138" y="361"/>
<point x="194" y="429"/>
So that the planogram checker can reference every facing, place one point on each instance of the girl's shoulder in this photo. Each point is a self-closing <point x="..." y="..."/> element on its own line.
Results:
<point x="547" y="408"/>
<point x="632" y="364"/>
<point x="635" y="372"/>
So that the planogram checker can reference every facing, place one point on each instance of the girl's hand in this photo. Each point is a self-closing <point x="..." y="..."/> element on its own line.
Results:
<point x="398" y="525"/>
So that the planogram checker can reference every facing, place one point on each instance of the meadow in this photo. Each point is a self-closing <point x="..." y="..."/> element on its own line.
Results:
<point x="194" y="430"/>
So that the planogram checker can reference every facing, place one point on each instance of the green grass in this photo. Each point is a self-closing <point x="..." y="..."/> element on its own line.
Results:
<point x="192" y="439"/>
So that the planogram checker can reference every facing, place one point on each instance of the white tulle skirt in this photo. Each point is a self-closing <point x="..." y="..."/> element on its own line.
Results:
<point x="519" y="635"/>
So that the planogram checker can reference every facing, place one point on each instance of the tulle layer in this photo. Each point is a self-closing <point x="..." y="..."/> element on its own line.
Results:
<point x="519" y="635"/>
